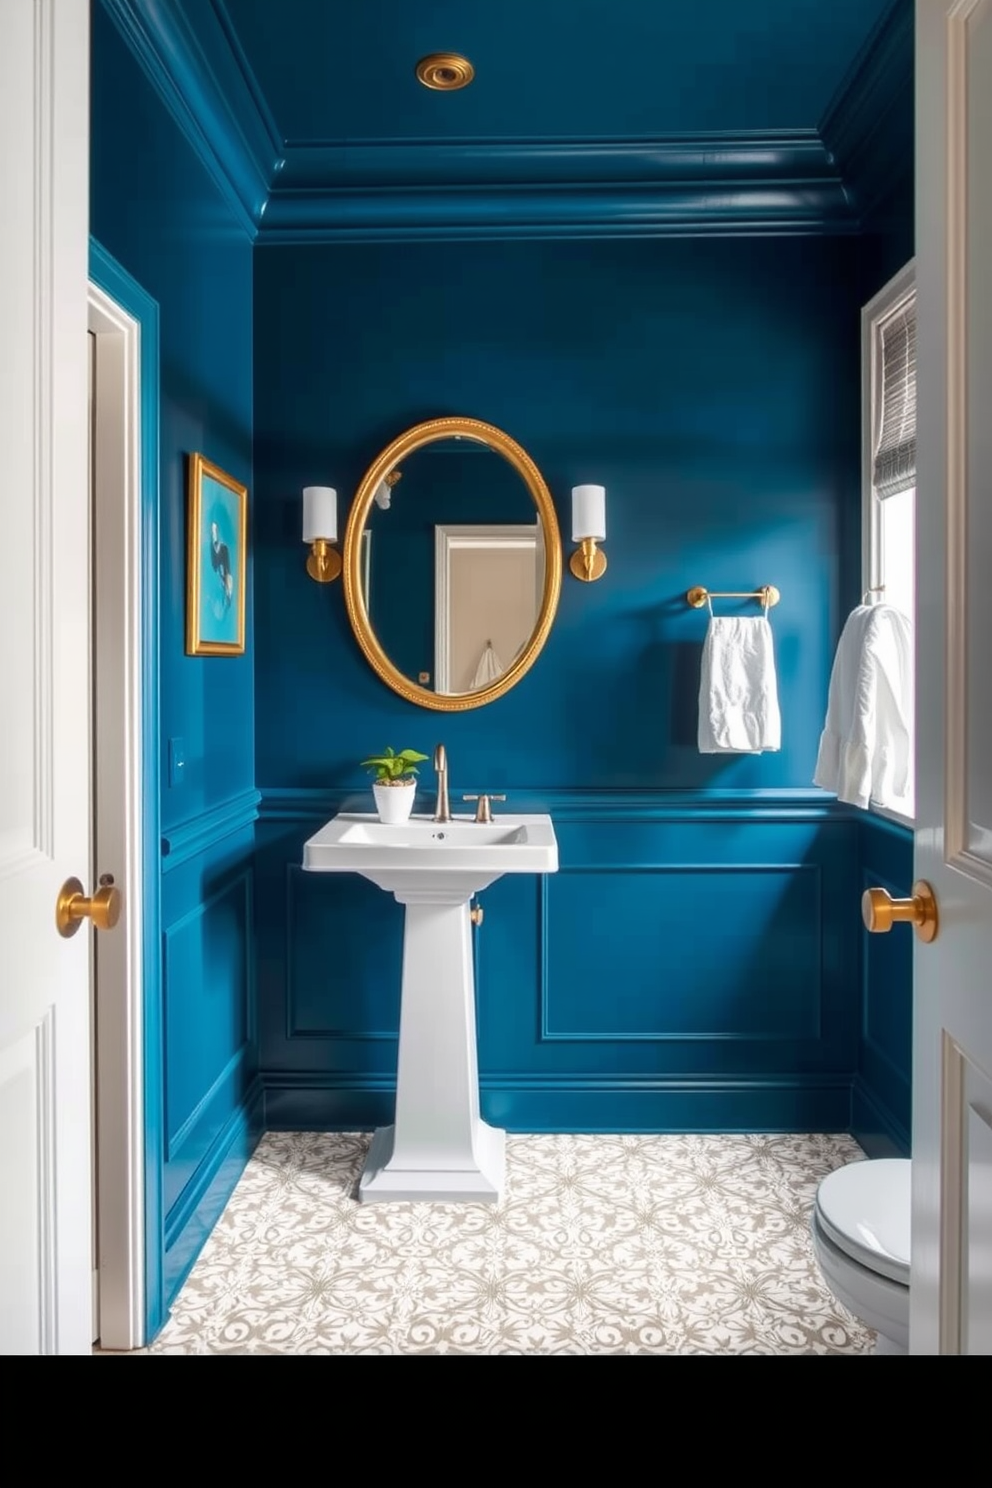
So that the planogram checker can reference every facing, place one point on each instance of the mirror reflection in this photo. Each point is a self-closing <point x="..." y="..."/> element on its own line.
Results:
<point x="453" y="566"/>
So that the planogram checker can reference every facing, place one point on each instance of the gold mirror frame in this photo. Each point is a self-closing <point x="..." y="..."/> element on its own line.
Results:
<point x="384" y="463"/>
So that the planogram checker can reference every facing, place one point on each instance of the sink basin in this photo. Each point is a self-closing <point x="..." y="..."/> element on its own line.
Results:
<point x="438" y="1148"/>
<point x="464" y="855"/>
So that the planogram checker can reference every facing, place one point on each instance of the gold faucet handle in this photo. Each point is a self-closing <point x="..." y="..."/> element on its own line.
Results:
<point x="483" y="812"/>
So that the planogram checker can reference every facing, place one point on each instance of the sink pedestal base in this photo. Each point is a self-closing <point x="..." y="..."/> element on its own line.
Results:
<point x="383" y="1183"/>
<point x="439" y="1149"/>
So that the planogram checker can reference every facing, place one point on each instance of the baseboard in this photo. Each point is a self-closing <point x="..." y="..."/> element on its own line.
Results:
<point x="190" y="1221"/>
<point x="874" y="1126"/>
<point x="803" y="1104"/>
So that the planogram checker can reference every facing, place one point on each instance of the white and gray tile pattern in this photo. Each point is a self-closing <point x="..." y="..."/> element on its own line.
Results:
<point x="601" y="1245"/>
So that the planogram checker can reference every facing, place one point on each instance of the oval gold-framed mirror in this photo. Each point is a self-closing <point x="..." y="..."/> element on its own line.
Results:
<point x="522" y="561"/>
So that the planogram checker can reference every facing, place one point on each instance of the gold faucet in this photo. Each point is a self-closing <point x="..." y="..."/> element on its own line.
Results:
<point x="442" y="810"/>
<point x="483" y="812"/>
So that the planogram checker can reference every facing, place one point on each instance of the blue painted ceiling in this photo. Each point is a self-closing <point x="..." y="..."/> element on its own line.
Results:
<point x="586" y="117"/>
<point x="335" y="71"/>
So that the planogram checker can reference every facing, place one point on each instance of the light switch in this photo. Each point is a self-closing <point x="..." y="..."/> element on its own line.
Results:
<point x="177" y="762"/>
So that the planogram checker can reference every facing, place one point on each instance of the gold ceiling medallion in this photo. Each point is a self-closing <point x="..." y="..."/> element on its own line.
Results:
<point x="445" y="71"/>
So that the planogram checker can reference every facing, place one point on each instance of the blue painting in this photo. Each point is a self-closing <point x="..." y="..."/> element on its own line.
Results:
<point x="217" y="561"/>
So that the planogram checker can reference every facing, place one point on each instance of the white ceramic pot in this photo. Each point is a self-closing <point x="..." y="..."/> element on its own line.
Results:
<point x="394" y="803"/>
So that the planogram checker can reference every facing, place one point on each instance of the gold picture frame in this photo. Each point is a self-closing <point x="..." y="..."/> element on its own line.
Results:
<point x="216" y="561"/>
<point x="354" y="557"/>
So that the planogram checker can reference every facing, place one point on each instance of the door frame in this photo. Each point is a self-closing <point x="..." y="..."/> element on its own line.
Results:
<point x="129" y="1006"/>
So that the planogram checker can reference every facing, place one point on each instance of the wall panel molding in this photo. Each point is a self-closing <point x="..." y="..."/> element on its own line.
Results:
<point x="239" y="890"/>
<point x="191" y="1219"/>
<point x="882" y="1098"/>
<point x="198" y="834"/>
<point x="304" y="804"/>
<point x="878" y="1129"/>
<point x="350" y="1102"/>
<point x="176" y="1142"/>
<point x="296" y="1028"/>
<point x="676" y="977"/>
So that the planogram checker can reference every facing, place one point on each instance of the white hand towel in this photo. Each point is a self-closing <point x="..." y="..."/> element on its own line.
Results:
<point x="738" y="691"/>
<point x="489" y="669"/>
<point x="865" y="750"/>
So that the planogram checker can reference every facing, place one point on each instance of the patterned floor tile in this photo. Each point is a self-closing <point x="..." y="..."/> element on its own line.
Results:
<point x="600" y="1245"/>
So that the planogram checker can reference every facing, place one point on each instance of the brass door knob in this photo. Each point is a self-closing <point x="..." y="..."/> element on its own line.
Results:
<point x="880" y="911"/>
<point x="72" y="907"/>
<point x="477" y="914"/>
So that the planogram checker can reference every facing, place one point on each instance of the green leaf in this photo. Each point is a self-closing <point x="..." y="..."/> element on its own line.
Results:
<point x="392" y="766"/>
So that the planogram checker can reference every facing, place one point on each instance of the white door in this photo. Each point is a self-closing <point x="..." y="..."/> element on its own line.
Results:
<point x="45" y="1299"/>
<point x="951" y="1286"/>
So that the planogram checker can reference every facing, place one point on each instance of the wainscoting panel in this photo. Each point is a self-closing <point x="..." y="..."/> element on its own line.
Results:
<point x="207" y="1006"/>
<point x="640" y="973"/>
<point x="344" y="950"/>
<point x="692" y="966"/>
<point x="883" y="1095"/>
<point x="212" y="1101"/>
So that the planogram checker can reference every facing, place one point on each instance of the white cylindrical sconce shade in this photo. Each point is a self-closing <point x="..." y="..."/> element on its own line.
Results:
<point x="588" y="513"/>
<point x="320" y="514"/>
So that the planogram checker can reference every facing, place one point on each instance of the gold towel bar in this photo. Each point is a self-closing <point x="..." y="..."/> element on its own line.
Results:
<point x="768" y="595"/>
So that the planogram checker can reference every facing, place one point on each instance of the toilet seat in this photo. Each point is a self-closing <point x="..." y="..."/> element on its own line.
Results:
<point x="864" y="1208"/>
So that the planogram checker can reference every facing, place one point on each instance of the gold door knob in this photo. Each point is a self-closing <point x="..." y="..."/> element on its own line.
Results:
<point x="477" y="914"/>
<point x="72" y="907"/>
<point x="880" y="911"/>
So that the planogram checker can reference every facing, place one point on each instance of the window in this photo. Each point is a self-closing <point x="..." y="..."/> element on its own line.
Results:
<point x="888" y="347"/>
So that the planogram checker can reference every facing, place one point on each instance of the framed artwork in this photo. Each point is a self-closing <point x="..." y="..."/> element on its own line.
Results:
<point x="216" y="564"/>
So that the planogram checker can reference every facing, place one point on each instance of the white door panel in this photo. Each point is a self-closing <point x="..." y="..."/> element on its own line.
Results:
<point x="951" y="1289"/>
<point x="44" y="678"/>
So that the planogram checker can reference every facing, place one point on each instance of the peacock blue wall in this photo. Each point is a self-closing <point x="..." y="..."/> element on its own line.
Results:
<point x="157" y="212"/>
<point x="712" y="386"/>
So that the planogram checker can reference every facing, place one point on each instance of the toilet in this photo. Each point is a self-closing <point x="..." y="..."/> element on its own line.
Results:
<point x="861" y="1225"/>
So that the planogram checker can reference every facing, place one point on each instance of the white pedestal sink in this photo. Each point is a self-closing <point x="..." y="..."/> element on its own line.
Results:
<point x="438" y="1148"/>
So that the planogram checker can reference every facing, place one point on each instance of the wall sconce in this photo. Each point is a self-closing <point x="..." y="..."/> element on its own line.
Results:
<point x="588" y="529"/>
<point x="320" y="530"/>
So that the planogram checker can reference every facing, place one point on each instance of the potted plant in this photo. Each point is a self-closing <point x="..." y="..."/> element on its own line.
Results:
<point x="395" y="783"/>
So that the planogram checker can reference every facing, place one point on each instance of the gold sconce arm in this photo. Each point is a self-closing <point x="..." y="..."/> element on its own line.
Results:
<point x="588" y="562"/>
<point x="323" y="561"/>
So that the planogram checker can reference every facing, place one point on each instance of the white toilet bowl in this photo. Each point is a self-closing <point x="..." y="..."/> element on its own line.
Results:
<point x="861" y="1225"/>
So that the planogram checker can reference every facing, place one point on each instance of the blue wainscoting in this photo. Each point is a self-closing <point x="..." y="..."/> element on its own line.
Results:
<point x="882" y="1090"/>
<point x="692" y="966"/>
<point x="211" y="1106"/>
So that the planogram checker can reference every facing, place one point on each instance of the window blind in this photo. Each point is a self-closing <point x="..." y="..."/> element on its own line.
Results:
<point x="895" y="449"/>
